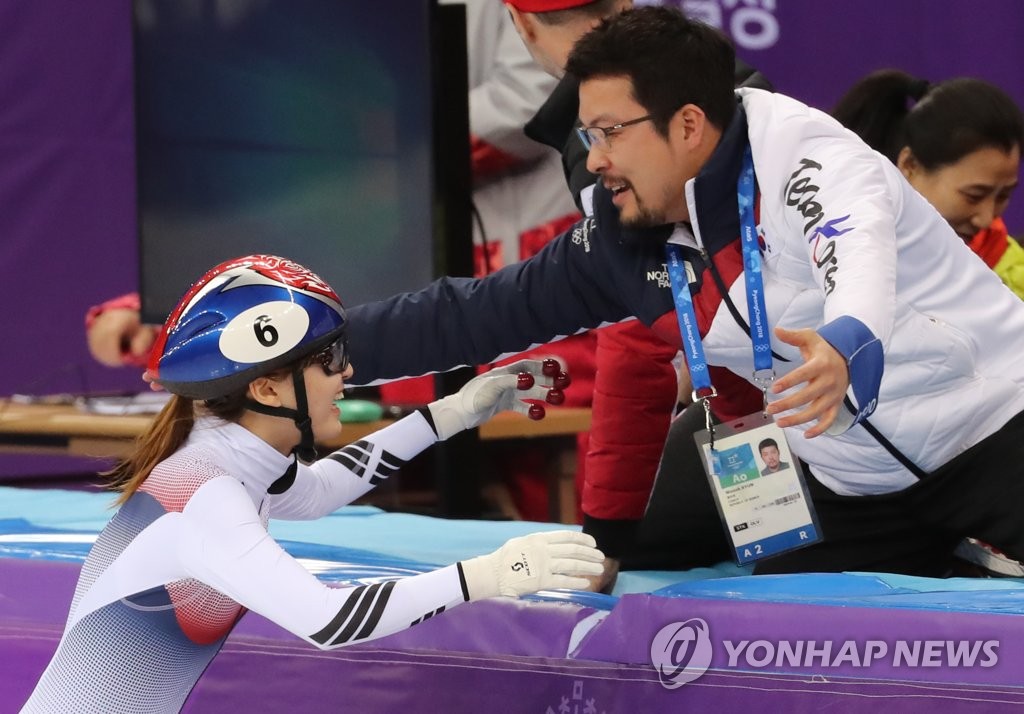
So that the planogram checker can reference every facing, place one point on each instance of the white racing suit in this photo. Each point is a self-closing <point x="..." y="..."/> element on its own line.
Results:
<point x="189" y="552"/>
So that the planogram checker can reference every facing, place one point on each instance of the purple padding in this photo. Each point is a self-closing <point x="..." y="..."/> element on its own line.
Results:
<point x="386" y="680"/>
<point x="34" y="600"/>
<point x="506" y="656"/>
<point x="421" y="681"/>
<point x="626" y="634"/>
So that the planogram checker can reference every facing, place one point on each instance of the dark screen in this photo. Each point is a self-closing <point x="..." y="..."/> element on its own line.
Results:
<point x="296" y="127"/>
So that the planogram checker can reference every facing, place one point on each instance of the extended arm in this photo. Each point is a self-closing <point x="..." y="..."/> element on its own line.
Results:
<point x="341" y="477"/>
<point x="460" y="321"/>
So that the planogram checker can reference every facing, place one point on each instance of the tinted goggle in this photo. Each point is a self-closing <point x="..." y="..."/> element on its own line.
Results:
<point x="333" y="358"/>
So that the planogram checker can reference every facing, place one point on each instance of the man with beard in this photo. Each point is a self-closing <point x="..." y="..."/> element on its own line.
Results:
<point x="670" y="523"/>
<point x="895" y="351"/>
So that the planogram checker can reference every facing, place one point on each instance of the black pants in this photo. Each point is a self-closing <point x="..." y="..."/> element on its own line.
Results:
<point x="681" y="528"/>
<point x="980" y="493"/>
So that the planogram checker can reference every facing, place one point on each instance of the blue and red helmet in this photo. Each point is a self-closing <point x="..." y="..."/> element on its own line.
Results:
<point x="245" y="318"/>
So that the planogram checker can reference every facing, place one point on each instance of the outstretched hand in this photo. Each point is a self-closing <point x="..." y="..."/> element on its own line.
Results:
<point x="823" y="379"/>
<point x="516" y="387"/>
<point x="539" y="561"/>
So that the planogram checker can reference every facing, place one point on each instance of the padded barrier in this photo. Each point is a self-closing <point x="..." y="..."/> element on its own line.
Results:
<point x="780" y="643"/>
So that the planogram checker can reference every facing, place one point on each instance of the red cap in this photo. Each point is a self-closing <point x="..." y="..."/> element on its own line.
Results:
<point x="545" y="5"/>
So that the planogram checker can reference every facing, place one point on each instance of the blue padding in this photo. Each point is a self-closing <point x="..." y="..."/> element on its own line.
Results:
<point x="406" y="537"/>
<point x="21" y="539"/>
<point x="362" y="543"/>
<point x="53" y="508"/>
<point x="598" y="601"/>
<point x="381" y="539"/>
<point x="436" y="541"/>
<point x="1003" y="595"/>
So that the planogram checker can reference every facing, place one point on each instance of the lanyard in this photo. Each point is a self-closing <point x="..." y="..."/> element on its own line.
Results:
<point x="754" y="284"/>
<point x="692" y="345"/>
<point x="756" y="312"/>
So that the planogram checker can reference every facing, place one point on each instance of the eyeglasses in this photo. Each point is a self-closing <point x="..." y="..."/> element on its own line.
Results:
<point x="333" y="358"/>
<point x="600" y="136"/>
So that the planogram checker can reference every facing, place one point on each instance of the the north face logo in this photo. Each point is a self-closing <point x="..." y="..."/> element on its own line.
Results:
<point x="661" y="276"/>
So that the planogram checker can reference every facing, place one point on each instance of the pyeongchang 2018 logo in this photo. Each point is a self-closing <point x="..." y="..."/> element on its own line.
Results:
<point x="681" y="652"/>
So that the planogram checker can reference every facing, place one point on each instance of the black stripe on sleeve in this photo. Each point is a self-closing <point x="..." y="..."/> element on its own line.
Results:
<point x="323" y="635"/>
<point x="462" y="582"/>
<point x="378" y="610"/>
<point x="358" y="467"/>
<point x="426" y="617"/>
<point x="359" y="616"/>
<point x="429" y="417"/>
<point x="384" y="472"/>
<point x="357" y="458"/>
<point x="391" y="461"/>
<point x="438" y="611"/>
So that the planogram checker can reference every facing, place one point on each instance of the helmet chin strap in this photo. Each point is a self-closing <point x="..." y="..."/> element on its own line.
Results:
<point x="305" y="449"/>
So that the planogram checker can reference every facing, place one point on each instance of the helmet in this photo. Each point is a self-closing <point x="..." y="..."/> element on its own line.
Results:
<point x="245" y="318"/>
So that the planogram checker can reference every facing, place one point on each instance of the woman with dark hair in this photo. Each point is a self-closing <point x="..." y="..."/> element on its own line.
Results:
<point x="958" y="143"/>
<point x="255" y="356"/>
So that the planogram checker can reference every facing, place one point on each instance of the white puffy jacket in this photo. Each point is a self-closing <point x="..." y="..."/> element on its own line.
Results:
<point x="847" y="237"/>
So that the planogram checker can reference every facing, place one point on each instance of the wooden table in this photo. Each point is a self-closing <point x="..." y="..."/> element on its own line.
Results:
<point x="67" y="430"/>
<point x="39" y="428"/>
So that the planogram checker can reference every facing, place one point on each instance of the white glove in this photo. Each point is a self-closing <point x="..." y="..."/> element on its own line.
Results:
<point x="501" y="389"/>
<point x="539" y="561"/>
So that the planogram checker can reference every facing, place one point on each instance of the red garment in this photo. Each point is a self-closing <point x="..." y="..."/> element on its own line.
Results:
<point x="531" y="241"/>
<point x="528" y="471"/>
<point x="488" y="161"/>
<point x="990" y="243"/>
<point x="634" y="395"/>
<point x="631" y="415"/>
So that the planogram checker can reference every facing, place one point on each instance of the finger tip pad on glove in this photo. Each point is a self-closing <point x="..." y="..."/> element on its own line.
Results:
<point x="524" y="380"/>
<point x="555" y="395"/>
<point x="550" y="367"/>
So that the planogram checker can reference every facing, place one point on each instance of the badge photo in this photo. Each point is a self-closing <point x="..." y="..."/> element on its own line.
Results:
<point x="759" y="488"/>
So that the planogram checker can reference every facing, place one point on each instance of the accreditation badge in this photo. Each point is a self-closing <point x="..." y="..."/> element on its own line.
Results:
<point x="759" y="488"/>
